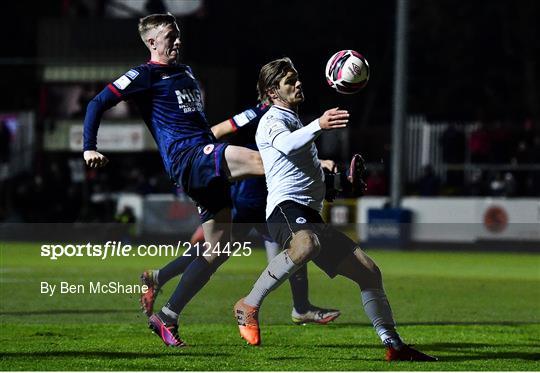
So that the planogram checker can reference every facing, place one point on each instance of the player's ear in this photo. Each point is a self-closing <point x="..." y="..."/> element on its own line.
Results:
<point x="272" y="93"/>
<point x="151" y="43"/>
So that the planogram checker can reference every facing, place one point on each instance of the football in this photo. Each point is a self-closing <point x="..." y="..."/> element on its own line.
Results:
<point x="347" y="71"/>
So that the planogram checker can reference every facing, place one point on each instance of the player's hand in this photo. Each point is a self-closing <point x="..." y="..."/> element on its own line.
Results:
<point x="94" y="159"/>
<point x="333" y="119"/>
<point x="329" y="165"/>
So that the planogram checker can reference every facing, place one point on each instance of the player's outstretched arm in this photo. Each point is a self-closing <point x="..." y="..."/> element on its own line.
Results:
<point x="94" y="111"/>
<point x="246" y="118"/>
<point x="289" y="142"/>
<point x="94" y="159"/>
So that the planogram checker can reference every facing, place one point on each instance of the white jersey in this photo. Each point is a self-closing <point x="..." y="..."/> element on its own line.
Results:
<point x="296" y="177"/>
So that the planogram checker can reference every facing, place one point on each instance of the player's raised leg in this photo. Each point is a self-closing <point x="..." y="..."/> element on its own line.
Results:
<point x="239" y="163"/>
<point x="207" y="184"/>
<point x="232" y="162"/>
<point x="242" y="163"/>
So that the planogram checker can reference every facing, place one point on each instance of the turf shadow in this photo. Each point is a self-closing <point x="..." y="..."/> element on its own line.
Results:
<point x="281" y="358"/>
<point x="440" y="323"/>
<point x="471" y="349"/>
<point x="348" y="346"/>
<point x="66" y="312"/>
<point x="441" y="346"/>
<point x="113" y="355"/>
<point x="48" y="334"/>
<point x="529" y="356"/>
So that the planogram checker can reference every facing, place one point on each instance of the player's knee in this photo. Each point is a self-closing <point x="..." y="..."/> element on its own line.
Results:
<point x="304" y="246"/>
<point x="368" y="263"/>
<point x="372" y="277"/>
<point x="364" y="271"/>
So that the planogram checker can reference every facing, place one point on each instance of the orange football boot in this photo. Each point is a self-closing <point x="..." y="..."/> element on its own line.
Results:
<point x="248" y="322"/>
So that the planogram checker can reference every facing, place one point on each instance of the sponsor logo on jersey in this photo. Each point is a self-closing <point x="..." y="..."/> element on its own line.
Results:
<point x="188" y="95"/>
<point x="189" y="100"/>
<point x="164" y="76"/>
<point x="132" y="74"/>
<point x="301" y="220"/>
<point x="208" y="149"/>
<point x="122" y="82"/>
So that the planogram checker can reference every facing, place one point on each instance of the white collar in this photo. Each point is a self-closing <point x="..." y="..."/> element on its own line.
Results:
<point x="286" y="110"/>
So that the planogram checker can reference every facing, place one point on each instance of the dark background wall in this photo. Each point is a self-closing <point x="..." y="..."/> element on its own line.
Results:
<point x="467" y="58"/>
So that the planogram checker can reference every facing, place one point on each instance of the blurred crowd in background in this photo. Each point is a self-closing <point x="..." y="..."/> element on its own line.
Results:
<point x="56" y="194"/>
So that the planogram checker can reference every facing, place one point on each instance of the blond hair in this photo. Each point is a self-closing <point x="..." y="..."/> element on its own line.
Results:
<point x="154" y="21"/>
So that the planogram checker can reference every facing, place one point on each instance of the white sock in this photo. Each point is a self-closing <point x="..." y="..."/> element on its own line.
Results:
<point x="272" y="249"/>
<point x="379" y="312"/>
<point x="169" y="313"/>
<point x="278" y="270"/>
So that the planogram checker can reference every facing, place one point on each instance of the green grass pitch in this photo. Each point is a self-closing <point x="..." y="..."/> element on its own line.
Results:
<point x="475" y="311"/>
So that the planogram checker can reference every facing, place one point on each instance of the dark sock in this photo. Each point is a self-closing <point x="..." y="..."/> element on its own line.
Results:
<point x="195" y="277"/>
<point x="177" y="266"/>
<point x="299" y="288"/>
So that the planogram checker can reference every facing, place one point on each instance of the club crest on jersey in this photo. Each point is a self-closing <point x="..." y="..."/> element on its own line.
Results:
<point x="208" y="149"/>
<point x="301" y="220"/>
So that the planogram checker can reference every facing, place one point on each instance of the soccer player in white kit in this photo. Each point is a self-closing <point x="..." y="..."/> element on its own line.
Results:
<point x="296" y="191"/>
